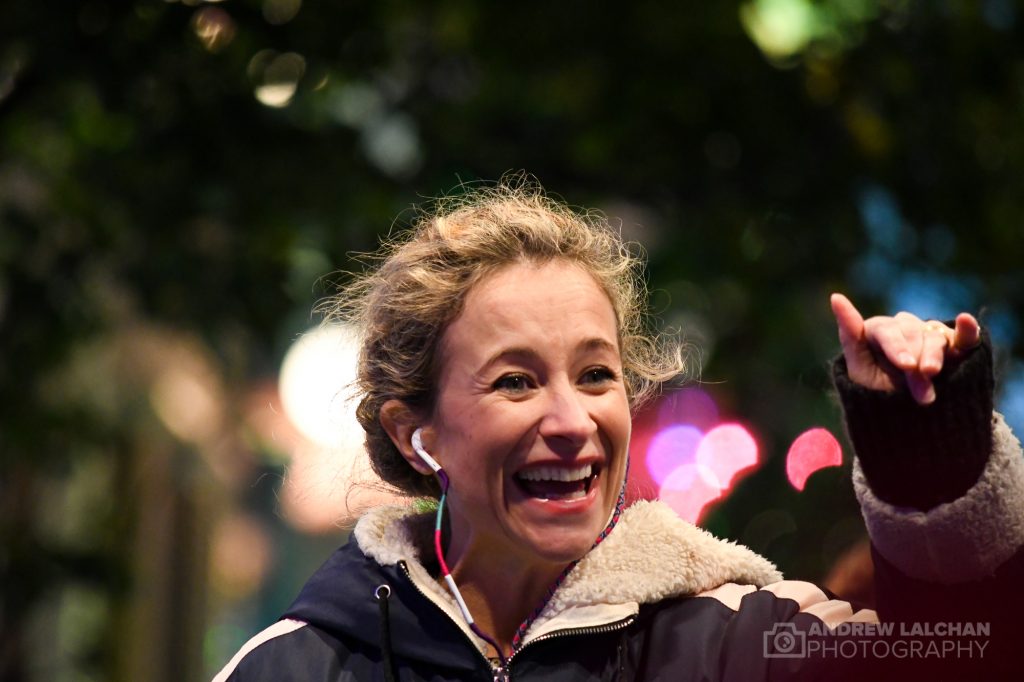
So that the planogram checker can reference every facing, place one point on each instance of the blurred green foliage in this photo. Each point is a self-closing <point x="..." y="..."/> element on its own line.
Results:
<point x="196" y="167"/>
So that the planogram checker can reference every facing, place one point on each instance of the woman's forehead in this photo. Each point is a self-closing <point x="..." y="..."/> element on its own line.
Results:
<point x="533" y="305"/>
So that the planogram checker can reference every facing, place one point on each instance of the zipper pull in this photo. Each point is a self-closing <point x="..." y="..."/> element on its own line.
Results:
<point x="501" y="674"/>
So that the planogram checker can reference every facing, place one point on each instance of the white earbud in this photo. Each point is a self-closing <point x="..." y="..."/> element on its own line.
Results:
<point x="417" y="445"/>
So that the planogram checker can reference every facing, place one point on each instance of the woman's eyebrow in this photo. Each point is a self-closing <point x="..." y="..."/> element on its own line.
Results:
<point x="599" y="344"/>
<point x="527" y="354"/>
<point x="521" y="353"/>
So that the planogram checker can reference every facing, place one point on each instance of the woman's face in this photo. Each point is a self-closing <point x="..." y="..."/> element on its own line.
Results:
<point x="532" y="421"/>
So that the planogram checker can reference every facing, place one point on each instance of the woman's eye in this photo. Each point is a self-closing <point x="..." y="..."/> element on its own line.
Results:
<point x="513" y="383"/>
<point x="598" y="375"/>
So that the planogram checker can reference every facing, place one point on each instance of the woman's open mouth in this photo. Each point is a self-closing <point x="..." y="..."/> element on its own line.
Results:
<point x="558" y="483"/>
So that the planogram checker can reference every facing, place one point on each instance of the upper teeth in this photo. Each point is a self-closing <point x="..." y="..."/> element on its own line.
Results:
<point x="556" y="473"/>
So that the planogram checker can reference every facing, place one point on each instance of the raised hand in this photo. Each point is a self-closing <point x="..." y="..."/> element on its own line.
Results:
<point x="892" y="353"/>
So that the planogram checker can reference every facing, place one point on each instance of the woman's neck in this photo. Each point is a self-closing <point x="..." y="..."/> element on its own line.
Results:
<point x="501" y="594"/>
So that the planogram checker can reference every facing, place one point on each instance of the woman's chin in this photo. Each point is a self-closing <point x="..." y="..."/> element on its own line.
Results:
<point x="562" y="543"/>
<point x="556" y="531"/>
<point x="561" y="552"/>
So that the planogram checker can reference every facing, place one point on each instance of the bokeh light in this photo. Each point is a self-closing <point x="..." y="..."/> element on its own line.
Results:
<point x="241" y="553"/>
<point x="188" y="404"/>
<point x="329" y="482"/>
<point x="691" y="460"/>
<point x="812" y="450"/>
<point x="688" y="490"/>
<point x="214" y="27"/>
<point x="329" y="488"/>
<point x="186" y="393"/>
<point x="316" y="374"/>
<point x="694" y="469"/>
<point x="784" y="28"/>
<point x="728" y="450"/>
<point x="672" y="448"/>
<point x="1010" y="401"/>
<point x="276" y="76"/>
<point x="779" y="27"/>
<point x="392" y="144"/>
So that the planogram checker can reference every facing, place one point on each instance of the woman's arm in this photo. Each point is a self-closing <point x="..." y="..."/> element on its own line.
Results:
<point x="939" y="476"/>
<point x="935" y="469"/>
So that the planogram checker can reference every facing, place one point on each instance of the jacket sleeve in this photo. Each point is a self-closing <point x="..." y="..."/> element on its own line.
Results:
<point x="941" y="488"/>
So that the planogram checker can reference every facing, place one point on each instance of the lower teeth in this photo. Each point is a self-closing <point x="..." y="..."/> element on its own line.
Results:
<point x="575" y="495"/>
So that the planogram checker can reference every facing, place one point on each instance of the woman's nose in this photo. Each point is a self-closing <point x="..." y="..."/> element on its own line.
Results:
<point x="566" y="415"/>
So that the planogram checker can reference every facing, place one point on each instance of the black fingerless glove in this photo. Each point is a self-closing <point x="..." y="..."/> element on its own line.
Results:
<point x="923" y="455"/>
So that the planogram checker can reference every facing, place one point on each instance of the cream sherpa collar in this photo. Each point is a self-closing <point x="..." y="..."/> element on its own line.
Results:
<point x="652" y="554"/>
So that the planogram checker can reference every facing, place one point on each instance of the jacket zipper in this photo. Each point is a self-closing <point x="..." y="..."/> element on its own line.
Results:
<point x="502" y="673"/>
<point x="568" y="632"/>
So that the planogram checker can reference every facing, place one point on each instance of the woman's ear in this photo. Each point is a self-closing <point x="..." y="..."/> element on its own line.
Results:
<point x="400" y="422"/>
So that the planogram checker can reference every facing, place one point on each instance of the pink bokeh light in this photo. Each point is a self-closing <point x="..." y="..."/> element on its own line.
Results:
<point x="812" y="450"/>
<point x="685" y="456"/>
<point x="670" y="448"/>
<point x="688" y="490"/>
<point x="722" y="456"/>
<point x="728" y="450"/>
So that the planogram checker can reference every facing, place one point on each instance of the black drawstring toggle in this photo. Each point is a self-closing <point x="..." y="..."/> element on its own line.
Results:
<point x="383" y="593"/>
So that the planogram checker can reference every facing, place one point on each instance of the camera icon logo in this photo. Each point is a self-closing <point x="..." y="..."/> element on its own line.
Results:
<point x="785" y="641"/>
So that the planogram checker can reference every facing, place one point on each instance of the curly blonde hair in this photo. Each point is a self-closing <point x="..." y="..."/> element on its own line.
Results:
<point x="403" y="306"/>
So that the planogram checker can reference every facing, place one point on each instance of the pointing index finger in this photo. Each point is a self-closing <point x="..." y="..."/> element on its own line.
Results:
<point x="849" y="319"/>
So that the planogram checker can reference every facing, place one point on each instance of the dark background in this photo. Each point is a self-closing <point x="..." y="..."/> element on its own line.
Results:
<point x="177" y="178"/>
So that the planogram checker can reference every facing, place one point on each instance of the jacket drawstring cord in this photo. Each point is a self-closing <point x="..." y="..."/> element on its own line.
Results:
<point x="382" y="593"/>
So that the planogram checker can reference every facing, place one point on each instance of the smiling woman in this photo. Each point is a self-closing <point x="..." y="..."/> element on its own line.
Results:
<point x="531" y="422"/>
<point x="502" y="350"/>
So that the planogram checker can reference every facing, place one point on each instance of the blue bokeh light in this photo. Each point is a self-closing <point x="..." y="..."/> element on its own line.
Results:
<point x="1010" y="401"/>
<point x="931" y="295"/>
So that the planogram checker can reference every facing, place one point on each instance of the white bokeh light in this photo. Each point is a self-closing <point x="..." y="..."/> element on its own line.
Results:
<point x="315" y="386"/>
<point x="329" y="482"/>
